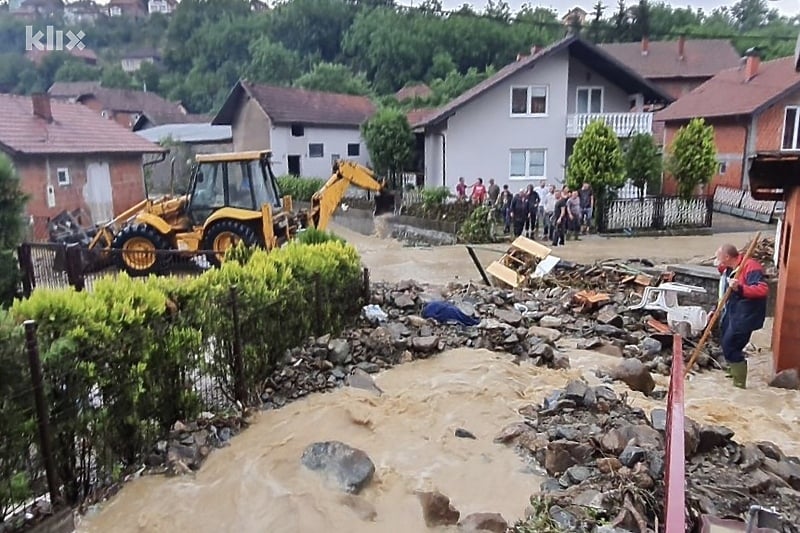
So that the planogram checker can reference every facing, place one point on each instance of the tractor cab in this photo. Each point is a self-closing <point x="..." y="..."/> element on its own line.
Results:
<point x="239" y="180"/>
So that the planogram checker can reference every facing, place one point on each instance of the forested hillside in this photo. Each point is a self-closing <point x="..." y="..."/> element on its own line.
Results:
<point x="357" y="46"/>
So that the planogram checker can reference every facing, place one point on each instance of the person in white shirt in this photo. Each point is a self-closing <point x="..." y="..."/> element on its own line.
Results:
<point x="548" y="206"/>
<point x="541" y="190"/>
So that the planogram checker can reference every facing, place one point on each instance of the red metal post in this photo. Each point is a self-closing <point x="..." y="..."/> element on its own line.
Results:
<point x="674" y="461"/>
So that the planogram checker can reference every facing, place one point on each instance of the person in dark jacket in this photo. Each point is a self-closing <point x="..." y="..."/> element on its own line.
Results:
<point x="559" y="220"/>
<point x="533" y="199"/>
<point x="503" y="205"/>
<point x="519" y="212"/>
<point x="745" y="310"/>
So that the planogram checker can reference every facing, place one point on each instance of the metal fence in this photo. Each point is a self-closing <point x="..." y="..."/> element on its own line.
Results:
<point x="655" y="213"/>
<point x="67" y="420"/>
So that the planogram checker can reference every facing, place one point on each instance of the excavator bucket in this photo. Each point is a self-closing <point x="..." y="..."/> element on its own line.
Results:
<point x="384" y="203"/>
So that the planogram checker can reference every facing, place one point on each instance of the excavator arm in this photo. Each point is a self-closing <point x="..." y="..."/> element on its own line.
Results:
<point x="346" y="173"/>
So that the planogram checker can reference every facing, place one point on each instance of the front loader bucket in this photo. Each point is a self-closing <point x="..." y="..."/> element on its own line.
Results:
<point x="384" y="203"/>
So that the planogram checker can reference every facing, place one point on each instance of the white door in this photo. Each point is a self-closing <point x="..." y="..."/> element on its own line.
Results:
<point x="97" y="192"/>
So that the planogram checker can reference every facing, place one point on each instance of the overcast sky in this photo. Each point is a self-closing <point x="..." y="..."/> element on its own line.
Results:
<point x="786" y="7"/>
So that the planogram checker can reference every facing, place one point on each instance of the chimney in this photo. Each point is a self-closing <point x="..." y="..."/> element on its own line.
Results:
<point x="752" y="62"/>
<point x="535" y="49"/>
<point x="681" y="47"/>
<point x="41" y="106"/>
<point x="645" y="45"/>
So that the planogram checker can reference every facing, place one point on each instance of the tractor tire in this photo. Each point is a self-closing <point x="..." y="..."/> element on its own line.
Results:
<point x="224" y="235"/>
<point x="144" y="240"/>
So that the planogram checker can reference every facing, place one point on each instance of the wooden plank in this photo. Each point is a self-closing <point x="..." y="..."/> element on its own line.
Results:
<point x="504" y="274"/>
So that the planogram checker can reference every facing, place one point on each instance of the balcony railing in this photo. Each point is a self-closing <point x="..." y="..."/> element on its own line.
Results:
<point x="623" y="124"/>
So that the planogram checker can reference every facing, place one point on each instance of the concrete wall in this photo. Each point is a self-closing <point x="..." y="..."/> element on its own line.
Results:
<point x="251" y="127"/>
<point x="334" y="141"/>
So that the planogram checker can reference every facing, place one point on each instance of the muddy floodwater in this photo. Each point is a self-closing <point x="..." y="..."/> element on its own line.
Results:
<point x="258" y="484"/>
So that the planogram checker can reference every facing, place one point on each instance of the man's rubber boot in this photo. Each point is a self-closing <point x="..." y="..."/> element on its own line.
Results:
<point x="739" y="374"/>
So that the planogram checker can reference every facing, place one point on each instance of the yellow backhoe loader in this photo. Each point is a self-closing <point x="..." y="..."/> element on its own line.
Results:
<point x="232" y="197"/>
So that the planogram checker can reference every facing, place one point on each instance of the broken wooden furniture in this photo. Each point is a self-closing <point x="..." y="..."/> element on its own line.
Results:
<point x="524" y="258"/>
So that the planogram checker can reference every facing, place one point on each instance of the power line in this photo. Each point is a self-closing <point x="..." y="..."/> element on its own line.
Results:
<point x="603" y="25"/>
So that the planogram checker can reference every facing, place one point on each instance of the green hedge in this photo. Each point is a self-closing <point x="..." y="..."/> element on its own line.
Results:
<point x="141" y="345"/>
<point x="300" y="189"/>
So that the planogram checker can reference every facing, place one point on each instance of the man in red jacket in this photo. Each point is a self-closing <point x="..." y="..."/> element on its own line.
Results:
<point x="745" y="309"/>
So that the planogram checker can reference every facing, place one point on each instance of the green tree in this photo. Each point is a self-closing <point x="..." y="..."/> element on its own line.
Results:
<point x="12" y="205"/>
<point x="389" y="140"/>
<point x="597" y="159"/>
<point x="643" y="162"/>
<point x="692" y="157"/>
<point x="272" y="63"/>
<point x="76" y="70"/>
<point x="333" y="78"/>
<point x="115" y="78"/>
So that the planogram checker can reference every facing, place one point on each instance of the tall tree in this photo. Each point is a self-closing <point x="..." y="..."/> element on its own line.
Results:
<point x="597" y="160"/>
<point x="643" y="162"/>
<point x="333" y="78"/>
<point x="389" y="141"/>
<point x="12" y="205"/>
<point x="692" y="157"/>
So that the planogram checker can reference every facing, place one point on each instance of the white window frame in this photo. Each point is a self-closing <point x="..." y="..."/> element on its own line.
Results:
<point x="65" y="172"/>
<point x="527" y="152"/>
<point x="528" y="113"/>
<point x="590" y="88"/>
<point x="796" y="136"/>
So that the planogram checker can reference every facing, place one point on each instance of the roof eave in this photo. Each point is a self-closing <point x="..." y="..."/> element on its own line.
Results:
<point x="226" y="113"/>
<point x="778" y="97"/>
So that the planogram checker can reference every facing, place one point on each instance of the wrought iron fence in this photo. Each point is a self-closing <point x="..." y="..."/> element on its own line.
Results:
<point x="655" y="213"/>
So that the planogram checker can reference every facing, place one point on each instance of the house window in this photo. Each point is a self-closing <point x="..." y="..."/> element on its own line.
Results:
<point x="790" y="129"/>
<point x="315" y="150"/>
<point x="529" y="101"/>
<point x="353" y="150"/>
<point x="528" y="164"/>
<point x="723" y="168"/>
<point x="62" y="175"/>
<point x="298" y="130"/>
<point x="589" y="100"/>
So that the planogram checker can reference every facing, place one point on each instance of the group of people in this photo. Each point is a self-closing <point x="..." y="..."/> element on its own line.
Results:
<point x="560" y="213"/>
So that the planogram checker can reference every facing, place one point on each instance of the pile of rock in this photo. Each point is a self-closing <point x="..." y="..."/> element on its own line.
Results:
<point x="189" y="444"/>
<point x="527" y="325"/>
<point x="605" y="463"/>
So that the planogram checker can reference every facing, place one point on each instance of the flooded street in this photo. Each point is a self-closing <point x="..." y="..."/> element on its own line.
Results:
<point x="259" y="485"/>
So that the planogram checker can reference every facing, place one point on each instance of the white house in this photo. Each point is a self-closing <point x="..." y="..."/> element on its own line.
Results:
<point x="306" y="130"/>
<point x="520" y="126"/>
<point x="161" y="6"/>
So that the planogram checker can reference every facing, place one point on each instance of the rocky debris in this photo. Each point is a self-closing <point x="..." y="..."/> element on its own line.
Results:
<point x="189" y="444"/>
<point x="349" y="468"/>
<point x="605" y="460"/>
<point x="359" y="379"/>
<point x="437" y="509"/>
<point x="786" y="379"/>
<point x="464" y="434"/>
<point x="476" y="522"/>
<point x="635" y="375"/>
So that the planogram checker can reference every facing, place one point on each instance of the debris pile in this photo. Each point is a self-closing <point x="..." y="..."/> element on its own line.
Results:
<point x="605" y="462"/>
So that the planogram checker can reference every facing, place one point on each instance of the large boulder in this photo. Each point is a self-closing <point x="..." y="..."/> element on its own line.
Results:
<point x="349" y="468"/>
<point x="635" y="375"/>
<point x="437" y="509"/>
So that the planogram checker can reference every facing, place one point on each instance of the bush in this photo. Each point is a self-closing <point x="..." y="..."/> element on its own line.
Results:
<point x="435" y="196"/>
<point x="478" y="228"/>
<point x="300" y="189"/>
<point x="316" y="236"/>
<point x="124" y="361"/>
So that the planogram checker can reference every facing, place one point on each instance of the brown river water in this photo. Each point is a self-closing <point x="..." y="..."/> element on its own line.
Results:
<point x="258" y="484"/>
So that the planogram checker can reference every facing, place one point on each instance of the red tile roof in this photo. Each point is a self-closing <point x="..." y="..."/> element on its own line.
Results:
<point x="727" y="93"/>
<point x="75" y="129"/>
<point x="286" y="105"/>
<point x="37" y="56"/>
<point x="701" y="57"/>
<point x="417" y="117"/>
